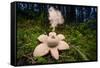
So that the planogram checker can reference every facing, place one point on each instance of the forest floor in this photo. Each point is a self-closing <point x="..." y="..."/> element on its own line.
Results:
<point x="80" y="37"/>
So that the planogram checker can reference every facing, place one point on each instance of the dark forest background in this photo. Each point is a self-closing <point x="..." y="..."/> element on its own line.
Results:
<point x="71" y="13"/>
<point x="79" y="29"/>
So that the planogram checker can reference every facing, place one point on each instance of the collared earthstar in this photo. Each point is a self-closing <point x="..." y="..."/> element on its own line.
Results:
<point x="50" y="43"/>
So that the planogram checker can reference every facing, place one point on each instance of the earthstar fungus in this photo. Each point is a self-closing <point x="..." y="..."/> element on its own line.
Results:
<point x="50" y="43"/>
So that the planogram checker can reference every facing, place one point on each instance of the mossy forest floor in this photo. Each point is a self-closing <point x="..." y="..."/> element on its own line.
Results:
<point x="81" y="37"/>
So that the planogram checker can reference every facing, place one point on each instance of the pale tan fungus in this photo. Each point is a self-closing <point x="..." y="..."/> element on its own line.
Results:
<point x="52" y="44"/>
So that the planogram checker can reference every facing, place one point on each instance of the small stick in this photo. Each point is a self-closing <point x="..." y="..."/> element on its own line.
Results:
<point x="30" y="58"/>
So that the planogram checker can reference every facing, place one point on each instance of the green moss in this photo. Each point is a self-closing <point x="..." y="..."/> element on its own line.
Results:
<point x="40" y="60"/>
<point x="82" y="36"/>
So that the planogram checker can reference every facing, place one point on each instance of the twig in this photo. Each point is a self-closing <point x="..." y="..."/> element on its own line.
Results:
<point x="30" y="58"/>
